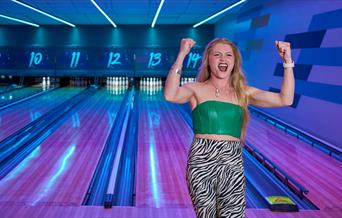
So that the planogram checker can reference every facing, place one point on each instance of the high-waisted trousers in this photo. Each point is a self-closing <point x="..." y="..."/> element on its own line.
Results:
<point x="215" y="178"/>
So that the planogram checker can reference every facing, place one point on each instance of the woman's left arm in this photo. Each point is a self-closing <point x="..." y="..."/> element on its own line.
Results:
<point x="263" y="98"/>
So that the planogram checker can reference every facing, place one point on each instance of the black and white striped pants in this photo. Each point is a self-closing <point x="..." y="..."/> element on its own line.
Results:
<point x="215" y="178"/>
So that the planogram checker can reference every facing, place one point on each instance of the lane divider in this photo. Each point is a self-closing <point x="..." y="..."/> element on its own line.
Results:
<point x="115" y="168"/>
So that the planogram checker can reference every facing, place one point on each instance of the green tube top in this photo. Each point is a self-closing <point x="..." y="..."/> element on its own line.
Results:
<point x="217" y="117"/>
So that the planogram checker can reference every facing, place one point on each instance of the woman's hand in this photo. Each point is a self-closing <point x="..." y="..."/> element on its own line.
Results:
<point x="186" y="45"/>
<point x="284" y="51"/>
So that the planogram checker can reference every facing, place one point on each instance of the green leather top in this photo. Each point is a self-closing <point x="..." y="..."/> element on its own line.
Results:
<point x="217" y="117"/>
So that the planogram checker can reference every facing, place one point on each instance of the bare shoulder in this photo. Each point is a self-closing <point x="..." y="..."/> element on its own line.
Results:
<point x="197" y="89"/>
<point x="192" y="85"/>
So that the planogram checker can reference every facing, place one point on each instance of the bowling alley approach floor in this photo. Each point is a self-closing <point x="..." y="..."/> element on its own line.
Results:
<point x="11" y="211"/>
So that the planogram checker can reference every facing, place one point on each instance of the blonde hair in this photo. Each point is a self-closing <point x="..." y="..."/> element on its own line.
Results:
<point x="237" y="79"/>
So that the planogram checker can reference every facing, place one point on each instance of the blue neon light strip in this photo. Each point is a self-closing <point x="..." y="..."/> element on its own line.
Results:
<point x="157" y="14"/>
<point x="44" y="13"/>
<point x="18" y="20"/>
<point x="218" y="13"/>
<point x="102" y="12"/>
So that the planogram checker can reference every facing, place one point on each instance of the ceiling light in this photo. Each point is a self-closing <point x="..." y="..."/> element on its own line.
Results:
<point x="18" y="20"/>
<point x="102" y="12"/>
<point x="218" y="13"/>
<point x="42" y="12"/>
<point x="157" y="14"/>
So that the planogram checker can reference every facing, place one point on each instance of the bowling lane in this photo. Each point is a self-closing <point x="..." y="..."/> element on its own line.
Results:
<point x="163" y="142"/>
<point x="4" y="88"/>
<point x="59" y="171"/>
<point x="15" y="94"/>
<point x="312" y="168"/>
<point x="16" y="117"/>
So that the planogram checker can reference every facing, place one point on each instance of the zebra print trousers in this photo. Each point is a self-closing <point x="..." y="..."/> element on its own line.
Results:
<point x="215" y="178"/>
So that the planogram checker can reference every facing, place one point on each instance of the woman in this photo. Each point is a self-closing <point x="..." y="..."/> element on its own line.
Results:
<point x="219" y="101"/>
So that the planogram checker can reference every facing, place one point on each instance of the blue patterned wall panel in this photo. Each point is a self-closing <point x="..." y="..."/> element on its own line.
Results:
<point x="327" y="20"/>
<point x="306" y="40"/>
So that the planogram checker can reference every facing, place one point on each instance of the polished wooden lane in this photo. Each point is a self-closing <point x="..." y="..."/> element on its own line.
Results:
<point x="163" y="142"/>
<point x="60" y="170"/>
<point x="16" y="117"/>
<point x="318" y="172"/>
<point x="20" y="93"/>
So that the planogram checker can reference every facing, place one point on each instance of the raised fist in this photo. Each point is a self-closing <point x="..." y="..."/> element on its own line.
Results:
<point x="284" y="51"/>
<point x="186" y="45"/>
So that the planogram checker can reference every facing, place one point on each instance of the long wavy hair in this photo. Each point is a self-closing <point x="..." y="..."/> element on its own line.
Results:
<point x="237" y="79"/>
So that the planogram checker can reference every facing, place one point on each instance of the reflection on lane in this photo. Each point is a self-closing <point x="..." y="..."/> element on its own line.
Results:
<point x="153" y="123"/>
<point x="61" y="168"/>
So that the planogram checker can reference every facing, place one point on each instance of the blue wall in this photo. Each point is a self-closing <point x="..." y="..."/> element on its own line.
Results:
<point x="314" y="29"/>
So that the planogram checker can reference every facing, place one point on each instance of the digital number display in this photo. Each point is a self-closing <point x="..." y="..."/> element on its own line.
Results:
<point x="153" y="60"/>
<point x="193" y="60"/>
<point x="73" y="59"/>
<point x="112" y="59"/>
<point x="36" y="58"/>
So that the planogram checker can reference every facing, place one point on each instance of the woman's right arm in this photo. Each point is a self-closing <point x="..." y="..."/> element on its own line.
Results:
<point x="172" y="91"/>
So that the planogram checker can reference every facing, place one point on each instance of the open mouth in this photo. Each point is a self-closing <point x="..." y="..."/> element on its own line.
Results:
<point x="223" y="67"/>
